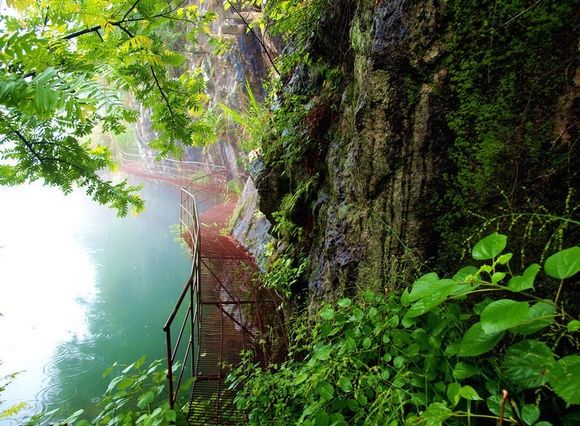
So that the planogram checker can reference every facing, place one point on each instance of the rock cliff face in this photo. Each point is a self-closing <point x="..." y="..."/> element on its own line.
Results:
<point x="390" y="176"/>
<point x="226" y="77"/>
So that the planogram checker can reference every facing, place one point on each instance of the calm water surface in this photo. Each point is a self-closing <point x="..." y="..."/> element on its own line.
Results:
<point x="81" y="289"/>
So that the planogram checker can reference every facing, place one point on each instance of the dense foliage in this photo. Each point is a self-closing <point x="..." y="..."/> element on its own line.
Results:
<point x="474" y="347"/>
<point x="65" y="68"/>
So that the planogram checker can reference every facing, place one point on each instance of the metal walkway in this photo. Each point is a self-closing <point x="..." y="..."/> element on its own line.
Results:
<point x="221" y="311"/>
<point x="208" y="181"/>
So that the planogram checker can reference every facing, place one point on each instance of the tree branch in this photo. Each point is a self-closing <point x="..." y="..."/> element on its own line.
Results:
<point x="162" y="93"/>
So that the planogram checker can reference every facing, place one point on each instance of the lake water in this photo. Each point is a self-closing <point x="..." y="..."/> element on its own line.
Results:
<point x="81" y="289"/>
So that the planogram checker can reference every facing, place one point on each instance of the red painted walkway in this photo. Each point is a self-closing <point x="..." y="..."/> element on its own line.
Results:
<point x="227" y="309"/>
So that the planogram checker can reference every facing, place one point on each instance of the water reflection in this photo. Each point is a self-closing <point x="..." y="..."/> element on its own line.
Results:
<point x="81" y="289"/>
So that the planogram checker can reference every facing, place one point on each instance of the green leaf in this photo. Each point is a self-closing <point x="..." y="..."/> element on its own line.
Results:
<point x="109" y="370"/>
<point x="530" y="414"/>
<point x="353" y="405"/>
<point x="504" y="258"/>
<point x="146" y="399"/>
<point x="344" y="303"/>
<point x="476" y="341"/>
<point x="528" y="364"/>
<point x="464" y="273"/>
<point x="432" y="297"/>
<point x="345" y="384"/>
<point x="327" y="313"/>
<point x="423" y="286"/>
<point x="503" y="314"/>
<point x="436" y="414"/>
<point x="467" y="392"/>
<point x="453" y="393"/>
<point x="326" y="391"/>
<point x="564" y="264"/>
<point x="525" y="281"/>
<point x="321" y="418"/>
<point x="300" y="378"/>
<point x="489" y="247"/>
<point x="322" y="352"/>
<point x="565" y="379"/>
<point x="114" y="383"/>
<point x="497" y="277"/>
<point x="367" y="343"/>
<point x="573" y="326"/>
<point x="541" y="315"/>
<point x="463" y="371"/>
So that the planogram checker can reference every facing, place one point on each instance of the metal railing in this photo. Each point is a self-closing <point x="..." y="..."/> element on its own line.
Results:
<point x="189" y="229"/>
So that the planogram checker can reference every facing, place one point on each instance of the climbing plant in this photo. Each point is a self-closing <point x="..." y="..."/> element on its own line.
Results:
<point x="64" y="69"/>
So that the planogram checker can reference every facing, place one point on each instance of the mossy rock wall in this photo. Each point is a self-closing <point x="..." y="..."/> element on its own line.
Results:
<point x="448" y="113"/>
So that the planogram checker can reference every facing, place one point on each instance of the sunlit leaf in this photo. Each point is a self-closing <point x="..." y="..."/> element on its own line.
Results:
<point x="489" y="247"/>
<point x="564" y="264"/>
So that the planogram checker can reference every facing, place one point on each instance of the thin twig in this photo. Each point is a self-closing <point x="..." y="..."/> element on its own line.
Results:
<point x="255" y="35"/>
<point x="521" y="13"/>
<point x="130" y="10"/>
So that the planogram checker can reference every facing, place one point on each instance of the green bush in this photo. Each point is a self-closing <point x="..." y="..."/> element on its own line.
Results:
<point x="467" y="349"/>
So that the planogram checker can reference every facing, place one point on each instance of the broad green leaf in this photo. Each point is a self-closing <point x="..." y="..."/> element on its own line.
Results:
<point x="423" y="286"/>
<point x="327" y="313"/>
<point x="573" y="326"/>
<point x="525" y="281"/>
<point x="437" y="294"/>
<point x="405" y="298"/>
<point x="464" y="370"/>
<point x="453" y="393"/>
<point x="489" y="247"/>
<point x="300" y="378"/>
<point x="436" y="414"/>
<point x="367" y="343"/>
<point x="541" y="315"/>
<point x="503" y="314"/>
<point x="114" y="383"/>
<point x="564" y="264"/>
<point x="344" y="303"/>
<point x="126" y="382"/>
<point x="530" y="414"/>
<point x="145" y="399"/>
<point x="326" y="391"/>
<point x="476" y="341"/>
<point x="322" y="352"/>
<point x="467" y="392"/>
<point x="345" y="384"/>
<point x="497" y="277"/>
<point x="565" y="379"/>
<point x="464" y="273"/>
<point x="528" y="364"/>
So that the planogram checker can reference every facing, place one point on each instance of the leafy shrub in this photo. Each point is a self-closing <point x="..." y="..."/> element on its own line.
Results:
<point x="476" y="347"/>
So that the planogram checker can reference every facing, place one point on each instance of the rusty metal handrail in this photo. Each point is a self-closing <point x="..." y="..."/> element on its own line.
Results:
<point x="189" y="219"/>
<point x="127" y="156"/>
